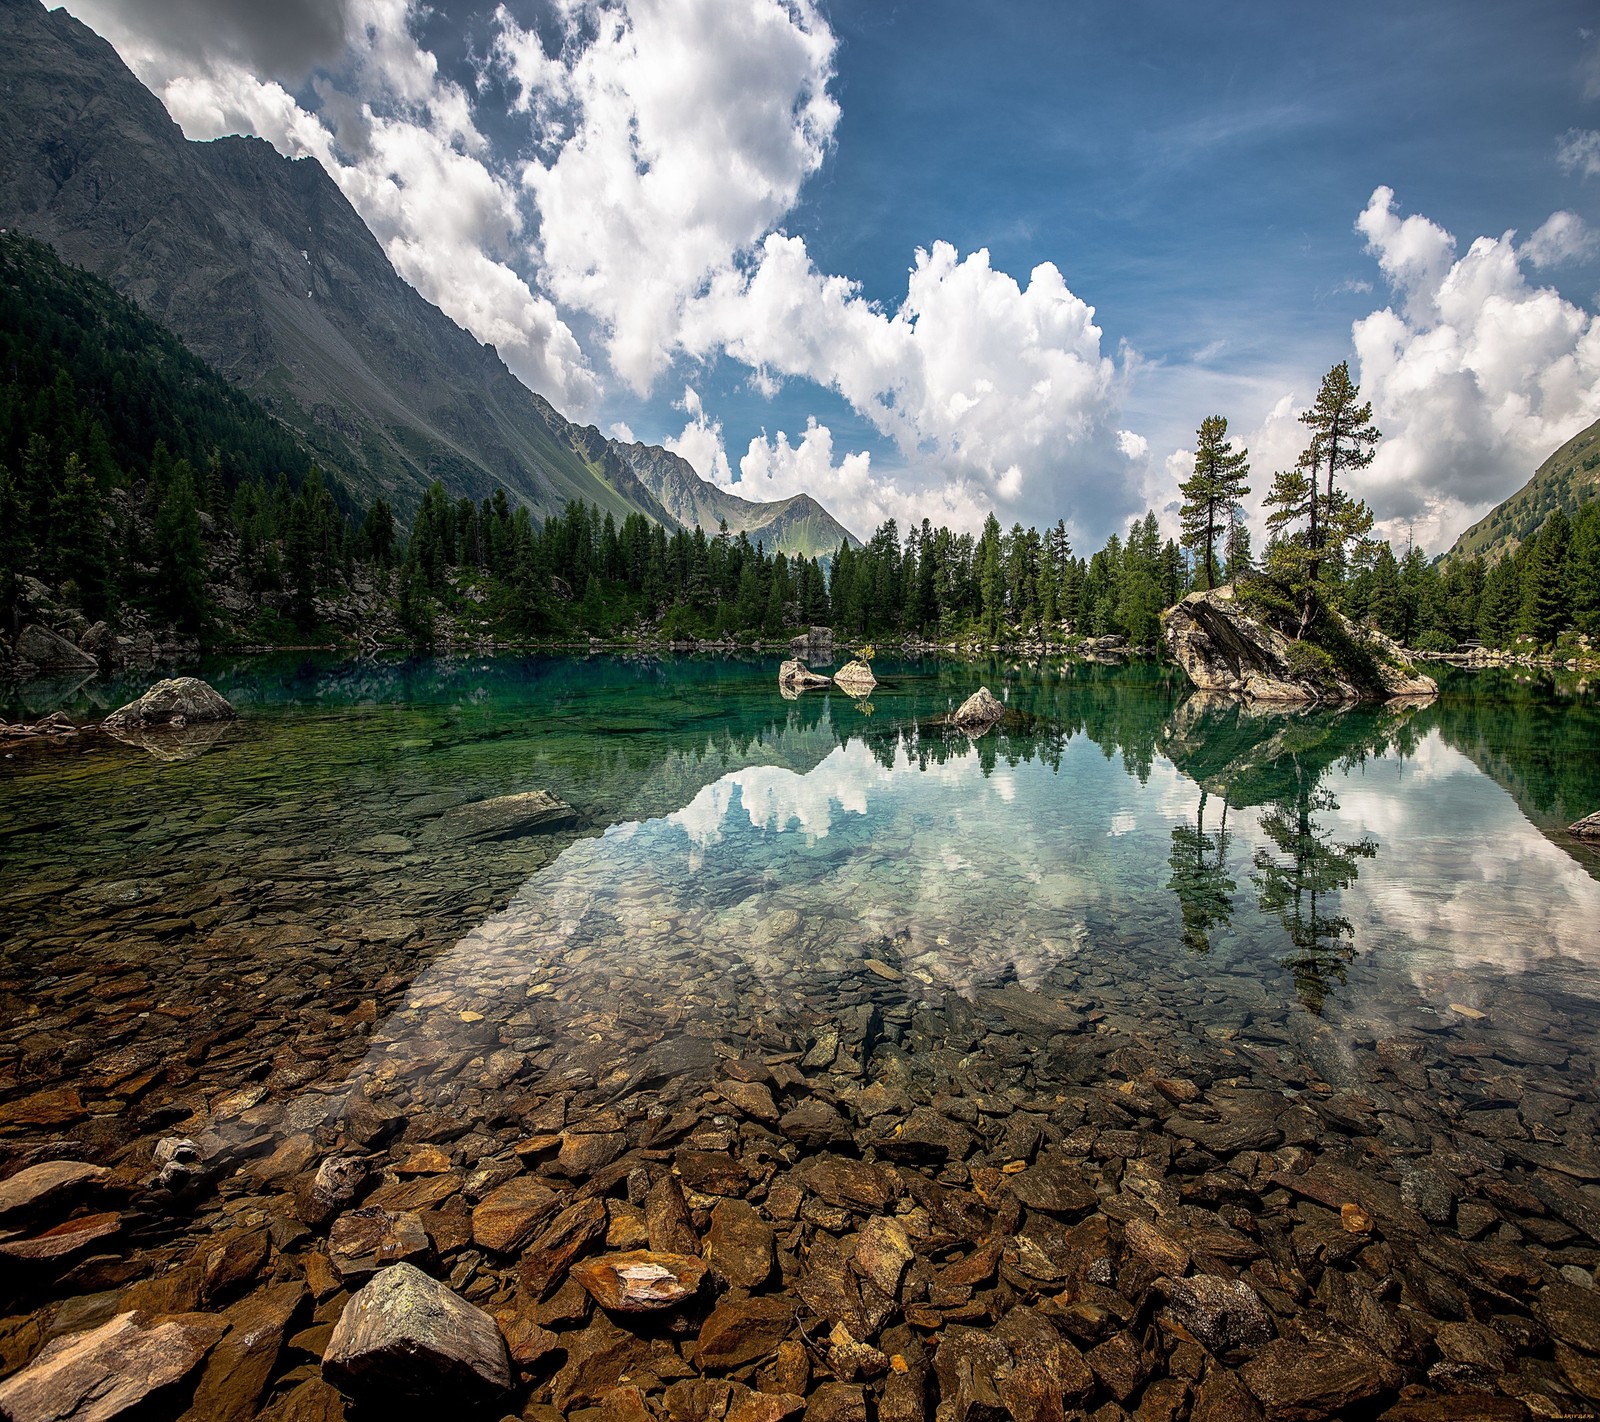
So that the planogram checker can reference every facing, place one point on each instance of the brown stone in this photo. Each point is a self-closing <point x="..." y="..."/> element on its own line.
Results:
<point x="667" y="1218"/>
<point x="1054" y="1187"/>
<point x="109" y="1369"/>
<point x="712" y="1172"/>
<point x="1157" y="1247"/>
<point x="237" y="1372"/>
<point x="64" y="1239"/>
<point x="1303" y="1382"/>
<point x="742" y="1331"/>
<point x="850" y="1184"/>
<point x="1572" y="1314"/>
<point x="364" y="1241"/>
<point x="739" y="1244"/>
<point x="837" y="1402"/>
<point x="231" y="1259"/>
<point x="51" y="1181"/>
<point x="582" y="1155"/>
<point x="59" y="1107"/>
<point x="640" y="1281"/>
<point x="572" y="1232"/>
<point x="750" y="1098"/>
<point x="507" y="1217"/>
<point x="406" y="1335"/>
<point x="883" y="1253"/>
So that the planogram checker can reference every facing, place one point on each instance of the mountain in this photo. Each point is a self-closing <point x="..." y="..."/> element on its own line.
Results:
<point x="1568" y="478"/>
<point x="262" y="267"/>
<point x="796" y="525"/>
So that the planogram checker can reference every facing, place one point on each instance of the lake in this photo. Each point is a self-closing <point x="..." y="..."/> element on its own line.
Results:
<point x="1247" y="1053"/>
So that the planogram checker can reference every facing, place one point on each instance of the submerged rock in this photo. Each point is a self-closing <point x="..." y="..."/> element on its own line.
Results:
<point x="640" y="1281"/>
<point x="504" y="817"/>
<point x="177" y="701"/>
<point x="406" y="1335"/>
<point x="794" y="675"/>
<point x="109" y="1369"/>
<point x="978" y="712"/>
<point x="1224" y="645"/>
<point x="855" y="678"/>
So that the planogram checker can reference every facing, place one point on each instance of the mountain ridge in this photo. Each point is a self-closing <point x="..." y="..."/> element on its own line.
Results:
<point x="1567" y="479"/>
<point x="263" y="268"/>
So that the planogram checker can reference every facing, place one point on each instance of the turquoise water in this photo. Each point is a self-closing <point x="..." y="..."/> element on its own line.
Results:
<point x="1195" y="948"/>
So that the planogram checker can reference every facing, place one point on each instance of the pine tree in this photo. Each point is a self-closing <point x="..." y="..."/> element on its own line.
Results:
<point x="1544" y="602"/>
<point x="1211" y="495"/>
<point x="180" y="554"/>
<point x="1343" y="438"/>
<point x="15" y="547"/>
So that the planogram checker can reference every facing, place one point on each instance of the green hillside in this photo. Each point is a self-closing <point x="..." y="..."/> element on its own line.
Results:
<point x="1568" y="479"/>
<point x="85" y="370"/>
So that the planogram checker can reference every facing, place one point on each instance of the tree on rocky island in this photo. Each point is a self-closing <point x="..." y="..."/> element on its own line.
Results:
<point x="1313" y="531"/>
<point x="1211" y="496"/>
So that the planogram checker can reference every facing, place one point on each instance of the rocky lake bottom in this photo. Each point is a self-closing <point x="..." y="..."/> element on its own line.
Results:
<point x="671" y="1049"/>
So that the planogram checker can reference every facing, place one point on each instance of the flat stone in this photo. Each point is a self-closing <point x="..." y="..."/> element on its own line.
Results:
<point x="504" y="817"/>
<point x="1229" y="1137"/>
<point x="1572" y="1314"/>
<point x="240" y="1366"/>
<point x="364" y="1241"/>
<point x="739" y="1244"/>
<point x="837" y="1402"/>
<point x="40" y="1183"/>
<point x="96" y="1375"/>
<point x="1157" y="1247"/>
<point x="883" y="1253"/>
<point x="742" y="1331"/>
<point x="667" y="1218"/>
<point x="750" y="1098"/>
<point x="572" y="1232"/>
<point x="60" y="1106"/>
<point x="406" y="1335"/>
<point x="970" y="1364"/>
<point x="66" y="1238"/>
<point x="640" y="1281"/>
<point x="49" y="651"/>
<point x="1222" y="1313"/>
<point x="337" y="1182"/>
<point x="852" y="1184"/>
<point x="1300" y="1381"/>
<point x="507" y="1217"/>
<point x="1054" y="1187"/>
<point x="582" y="1155"/>
<point x="814" y="1125"/>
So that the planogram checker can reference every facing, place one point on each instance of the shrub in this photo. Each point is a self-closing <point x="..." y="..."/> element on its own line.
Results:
<point x="1434" y="641"/>
<point x="1308" y="662"/>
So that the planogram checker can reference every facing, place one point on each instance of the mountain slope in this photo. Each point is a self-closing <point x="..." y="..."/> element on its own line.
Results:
<point x="266" y="272"/>
<point x="795" y="525"/>
<point x="1568" y="478"/>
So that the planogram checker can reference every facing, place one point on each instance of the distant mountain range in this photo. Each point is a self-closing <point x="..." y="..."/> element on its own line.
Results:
<point x="1568" y="478"/>
<point x="266" y="272"/>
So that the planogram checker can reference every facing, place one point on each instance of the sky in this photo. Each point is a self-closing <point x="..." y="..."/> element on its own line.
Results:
<point x="928" y="260"/>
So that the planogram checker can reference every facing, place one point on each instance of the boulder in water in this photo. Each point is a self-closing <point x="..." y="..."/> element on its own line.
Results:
<point x="855" y="678"/>
<point x="1588" y="827"/>
<point x="178" y="701"/>
<point x="978" y="712"/>
<point x="1228" y="644"/>
<point x="794" y="675"/>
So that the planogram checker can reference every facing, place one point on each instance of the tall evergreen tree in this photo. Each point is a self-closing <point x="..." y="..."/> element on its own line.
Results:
<point x="1211" y="496"/>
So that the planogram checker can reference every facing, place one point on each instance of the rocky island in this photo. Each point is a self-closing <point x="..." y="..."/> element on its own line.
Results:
<point x="1233" y="641"/>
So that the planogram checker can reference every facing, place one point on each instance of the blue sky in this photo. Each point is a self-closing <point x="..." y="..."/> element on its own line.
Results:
<point x="696" y="222"/>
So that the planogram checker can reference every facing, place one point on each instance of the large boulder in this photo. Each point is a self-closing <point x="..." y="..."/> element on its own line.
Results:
<point x="794" y="675"/>
<point x="178" y="701"/>
<point x="855" y="678"/>
<point x="1226" y="646"/>
<point x="1588" y="827"/>
<point x="408" y="1336"/>
<point x="978" y="712"/>
<point x="49" y="651"/>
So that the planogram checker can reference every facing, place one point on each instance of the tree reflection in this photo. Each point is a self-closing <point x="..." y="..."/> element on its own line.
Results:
<point x="1200" y="877"/>
<point x="1300" y="884"/>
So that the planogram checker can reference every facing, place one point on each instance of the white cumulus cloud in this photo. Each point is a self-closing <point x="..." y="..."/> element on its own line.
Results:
<point x="1476" y="376"/>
